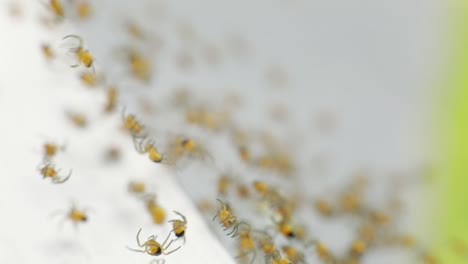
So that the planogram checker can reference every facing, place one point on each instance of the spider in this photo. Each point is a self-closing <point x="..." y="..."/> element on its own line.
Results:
<point x="152" y="247"/>
<point x="179" y="226"/>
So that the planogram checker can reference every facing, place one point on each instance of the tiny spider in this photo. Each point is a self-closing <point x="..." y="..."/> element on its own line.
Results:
<point x="152" y="247"/>
<point x="133" y="125"/>
<point x="74" y="214"/>
<point x="275" y="258"/>
<point x="247" y="244"/>
<point x="148" y="146"/>
<point x="57" y="8"/>
<point x="179" y="226"/>
<point x="158" y="213"/>
<point x="49" y="170"/>
<point x="83" y="56"/>
<point x="227" y="219"/>
<point x="51" y="149"/>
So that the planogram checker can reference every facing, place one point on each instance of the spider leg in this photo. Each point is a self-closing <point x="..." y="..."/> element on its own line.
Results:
<point x="165" y="241"/>
<point x="233" y="231"/>
<point x="172" y="251"/>
<point x="172" y="231"/>
<point x="57" y="212"/>
<point x="182" y="216"/>
<point x="254" y="256"/>
<point x="170" y="243"/>
<point x="138" y="144"/>
<point x="136" y="250"/>
<point x="42" y="165"/>
<point x="138" y="238"/>
<point x="80" y="39"/>
<point x="57" y="180"/>
<point x="248" y="252"/>
<point x="244" y="223"/>
<point x="222" y="204"/>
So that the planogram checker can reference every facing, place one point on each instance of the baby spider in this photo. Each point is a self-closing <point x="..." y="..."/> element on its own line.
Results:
<point x="47" y="51"/>
<point x="57" y="8"/>
<point x="157" y="212"/>
<point x="322" y="251"/>
<point x="193" y="149"/>
<point x="152" y="247"/>
<point x="134" y="30"/>
<point x="112" y="154"/>
<point x="83" y="55"/>
<point x="179" y="226"/>
<point x="133" y="125"/>
<point x="244" y="153"/>
<point x="144" y="145"/>
<point x="294" y="254"/>
<point x="224" y="184"/>
<point x="227" y="219"/>
<point x="112" y="98"/>
<point x="140" y="66"/>
<point x="205" y="205"/>
<point x="90" y="79"/>
<point x="74" y="214"/>
<point x="51" y="149"/>
<point x="176" y="151"/>
<point x="247" y="244"/>
<point x="262" y="188"/>
<point x="84" y="9"/>
<point x="78" y="119"/>
<point x="324" y="207"/>
<point x="429" y="258"/>
<point x="243" y="190"/>
<point x="358" y="247"/>
<point x="137" y="187"/>
<point x="15" y="9"/>
<point x="286" y="229"/>
<point x="275" y="258"/>
<point x="266" y="243"/>
<point x="48" y="170"/>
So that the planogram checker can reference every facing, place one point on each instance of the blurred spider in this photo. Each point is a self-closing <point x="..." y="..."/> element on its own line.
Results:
<point x="84" y="56"/>
<point x="48" y="170"/>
